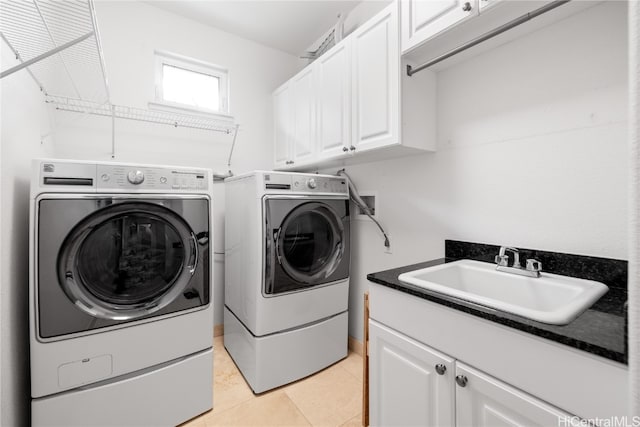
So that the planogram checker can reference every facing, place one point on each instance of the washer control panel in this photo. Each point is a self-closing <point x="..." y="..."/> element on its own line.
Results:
<point x="135" y="177"/>
<point x="305" y="183"/>
<point x="151" y="178"/>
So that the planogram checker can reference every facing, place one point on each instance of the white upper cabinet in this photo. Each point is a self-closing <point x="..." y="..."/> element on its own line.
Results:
<point x="432" y="28"/>
<point x="334" y="101"/>
<point x="376" y="85"/>
<point x="283" y="125"/>
<point x="351" y="101"/>
<point x="423" y="19"/>
<point x="304" y="115"/>
<point x="484" y="401"/>
<point x="410" y="383"/>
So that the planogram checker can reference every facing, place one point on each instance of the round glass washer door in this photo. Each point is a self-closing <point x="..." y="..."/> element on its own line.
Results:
<point x="310" y="243"/>
<point x="127" y="260"/>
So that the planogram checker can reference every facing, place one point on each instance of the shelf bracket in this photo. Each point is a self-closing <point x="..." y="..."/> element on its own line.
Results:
<point x="113" y="131"/>
<point x="221" y="177"/>
<point x="47" y="54"/>
<point x="19" y="58"/>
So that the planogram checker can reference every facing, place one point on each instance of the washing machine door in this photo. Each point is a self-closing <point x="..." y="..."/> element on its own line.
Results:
<point x="127" y="260"/>
<point x="309" y="244"/>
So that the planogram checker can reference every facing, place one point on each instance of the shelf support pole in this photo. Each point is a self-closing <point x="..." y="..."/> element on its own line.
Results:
<point x="113" y="131"/>
<point x="32" y="61"/>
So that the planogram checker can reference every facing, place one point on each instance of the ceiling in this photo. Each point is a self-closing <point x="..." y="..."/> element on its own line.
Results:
<point x="288" y="25"/>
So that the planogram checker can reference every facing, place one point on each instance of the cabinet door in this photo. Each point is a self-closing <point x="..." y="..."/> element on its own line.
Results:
<point x="375" y="79"/>
<point x="283" y="125"/>
<point x="487" y="402"/>
<point x="404" y="387"/>
<point x="334" y="106"/>
<point x="423" y="19"/>
<point x="485" y="4"/>
<point x="304" y="116"/>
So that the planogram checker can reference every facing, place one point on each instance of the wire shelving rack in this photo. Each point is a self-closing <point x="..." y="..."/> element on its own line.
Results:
<point x="58" y="44"/>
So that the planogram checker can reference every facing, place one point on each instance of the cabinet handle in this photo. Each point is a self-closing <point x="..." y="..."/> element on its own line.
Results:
<point x="345" y="149"/>
<point x="462" y="380"/>
<point x="441" y="369"/>
<point x="352" y="148"/>
<point x="466" y="6"/>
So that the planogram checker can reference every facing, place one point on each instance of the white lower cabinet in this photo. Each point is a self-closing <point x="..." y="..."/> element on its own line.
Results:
<point x="484" y="401"/>
<point x="411" y="384"/>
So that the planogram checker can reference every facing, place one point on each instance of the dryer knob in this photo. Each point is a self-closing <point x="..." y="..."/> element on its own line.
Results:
<point x="312" y="183"/>
<point x="135" y="177"/>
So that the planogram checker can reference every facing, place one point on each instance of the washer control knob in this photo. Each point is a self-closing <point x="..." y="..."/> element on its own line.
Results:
<point x="105" y="177"/>
<point x="163" y="179"/>
<point x="312" y="183"/>
<point x="135" y="177"/>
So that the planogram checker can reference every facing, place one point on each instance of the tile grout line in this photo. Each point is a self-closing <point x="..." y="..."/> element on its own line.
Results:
<point x="351" y="373"/>
<point x="213" y="414"/>
<point x="250" y="398"/>
<point x="284" y="390"/>
<point x="298" y="408"/>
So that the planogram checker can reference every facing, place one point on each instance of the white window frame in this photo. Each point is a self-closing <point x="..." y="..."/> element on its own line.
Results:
<point x="190" y="64"/>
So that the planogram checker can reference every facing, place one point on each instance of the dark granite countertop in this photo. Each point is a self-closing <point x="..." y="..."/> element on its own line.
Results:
<point x="599" y="330"/>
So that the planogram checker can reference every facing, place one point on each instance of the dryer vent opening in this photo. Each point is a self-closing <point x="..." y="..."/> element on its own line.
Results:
<point x="370" y="201"/>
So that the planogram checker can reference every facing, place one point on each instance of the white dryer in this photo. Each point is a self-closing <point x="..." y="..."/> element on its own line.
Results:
<point x="121" y="317"/>
<point x="287" y="244"/>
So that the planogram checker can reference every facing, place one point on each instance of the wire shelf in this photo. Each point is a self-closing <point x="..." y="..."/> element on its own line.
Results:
<point x="139" y="114"/>
<point x="62" y="39"/>
<point x="58" y="43"/>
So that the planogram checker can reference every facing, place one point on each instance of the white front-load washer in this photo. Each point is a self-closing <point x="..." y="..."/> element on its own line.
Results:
<point x="121" y="317"/>
<point x="287" y="238"/>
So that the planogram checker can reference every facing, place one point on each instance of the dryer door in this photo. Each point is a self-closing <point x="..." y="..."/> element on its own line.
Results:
<point x="309" y="247"/>
<point x="127" y="260"/>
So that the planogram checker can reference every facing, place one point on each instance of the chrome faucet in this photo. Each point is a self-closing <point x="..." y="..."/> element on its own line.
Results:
<point x="502" y="259"/>
<point x="532" y="269"/>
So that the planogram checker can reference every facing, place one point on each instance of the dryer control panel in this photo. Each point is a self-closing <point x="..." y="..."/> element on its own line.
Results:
<point x="305" y="183"/>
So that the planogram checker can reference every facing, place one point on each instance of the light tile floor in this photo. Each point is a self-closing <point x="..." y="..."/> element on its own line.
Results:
<point x="331" y="397"/>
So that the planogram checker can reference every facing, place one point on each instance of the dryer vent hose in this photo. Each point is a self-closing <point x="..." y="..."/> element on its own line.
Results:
<point x="355" y="197"/>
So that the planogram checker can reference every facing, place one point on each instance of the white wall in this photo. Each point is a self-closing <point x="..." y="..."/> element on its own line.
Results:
<point x="25" y="125"/>
<point x="130" y="33"/>
<point x="531" y="152"/>
<point x="361" y="14"/>
<point x="634" y="210"/>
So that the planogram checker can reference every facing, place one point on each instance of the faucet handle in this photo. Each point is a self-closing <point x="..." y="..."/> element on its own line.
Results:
<point x="534" y="265"/>
<point x="502" y="260"/>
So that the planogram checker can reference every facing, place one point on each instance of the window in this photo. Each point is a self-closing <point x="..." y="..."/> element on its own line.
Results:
<point x="189" y="84"/>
